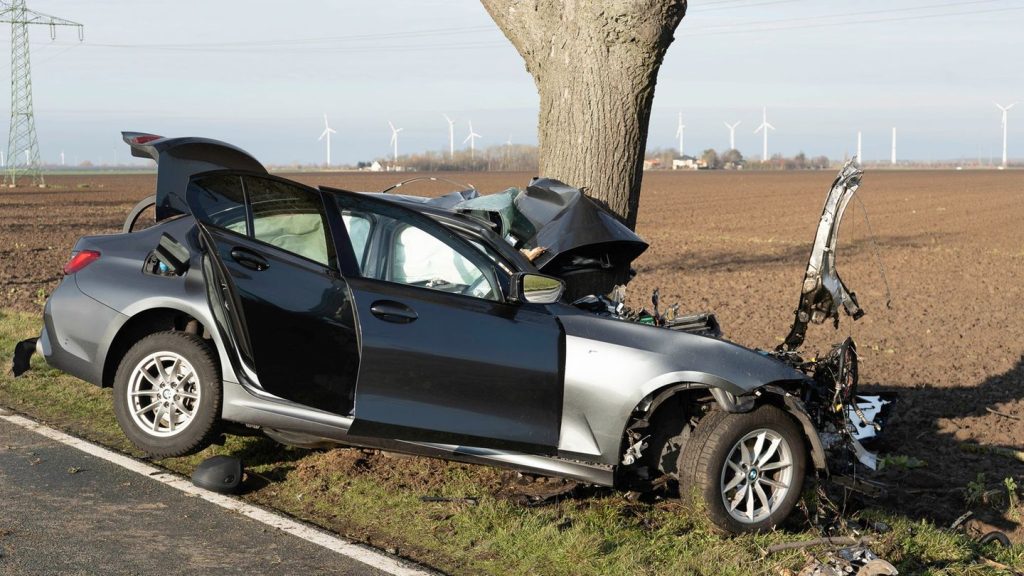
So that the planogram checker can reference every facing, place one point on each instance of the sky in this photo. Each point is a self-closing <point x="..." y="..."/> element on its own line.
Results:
<point x="262" y="74"/>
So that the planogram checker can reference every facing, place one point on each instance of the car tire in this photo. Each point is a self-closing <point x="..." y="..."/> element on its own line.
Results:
<point x="745" y="470"/>
<point x="167" y="394"/>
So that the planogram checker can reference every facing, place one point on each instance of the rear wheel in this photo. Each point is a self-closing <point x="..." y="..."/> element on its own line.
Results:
<point x="167" y="394"/>
<point x="746" y="470"/>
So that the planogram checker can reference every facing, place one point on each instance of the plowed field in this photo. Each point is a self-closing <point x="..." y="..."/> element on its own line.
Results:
<point x="951" y="243"/>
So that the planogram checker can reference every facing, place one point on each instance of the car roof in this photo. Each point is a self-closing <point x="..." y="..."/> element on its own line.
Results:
<point x="454" y="219"/>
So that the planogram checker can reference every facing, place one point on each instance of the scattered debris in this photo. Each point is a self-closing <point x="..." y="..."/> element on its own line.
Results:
<point x="997" y="450"/>
<point x="1003" y="414"/>
<point x="900" y="461"/>
<point x="999" y="565"/>
<point x="960" y="521"/>
<point x="221" y="474"/>
<point x="532" y="491"/>
<point x="995" y="536"/>
<point x="465" y="500"/>
<point x="22" y="356"/>
<point x="857" y="559"/>
<point x="869" y="488"/>
<point x="74" y="470"/>
<point x="828" y="540"/>
<point x="877" y="567"/>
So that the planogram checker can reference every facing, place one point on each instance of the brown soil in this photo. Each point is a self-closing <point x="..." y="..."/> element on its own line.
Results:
<point x="736" y="244"/>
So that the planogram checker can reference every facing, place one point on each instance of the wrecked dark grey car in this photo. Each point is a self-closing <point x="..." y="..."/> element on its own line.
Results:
<point x="416" y="325"/>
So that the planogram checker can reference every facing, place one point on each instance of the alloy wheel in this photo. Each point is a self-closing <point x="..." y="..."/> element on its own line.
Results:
<point x="164" y="393"/>
<point x="757" y="476"/>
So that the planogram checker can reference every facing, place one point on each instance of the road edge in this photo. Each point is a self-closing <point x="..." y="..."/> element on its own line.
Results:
<point x="358" y="552"/>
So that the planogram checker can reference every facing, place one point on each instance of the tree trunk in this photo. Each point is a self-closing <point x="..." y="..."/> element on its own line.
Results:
<point x="595" y="63"/>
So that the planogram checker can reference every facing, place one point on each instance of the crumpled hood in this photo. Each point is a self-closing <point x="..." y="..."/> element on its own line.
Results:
<point x="579" y="236"/>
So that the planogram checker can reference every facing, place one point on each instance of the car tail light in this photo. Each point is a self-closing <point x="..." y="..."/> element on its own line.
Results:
<point x="142" y="138"/>
<point x="80" y="260"/>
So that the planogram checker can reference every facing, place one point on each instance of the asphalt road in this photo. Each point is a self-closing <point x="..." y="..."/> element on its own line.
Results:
<point x="65" y="512"/>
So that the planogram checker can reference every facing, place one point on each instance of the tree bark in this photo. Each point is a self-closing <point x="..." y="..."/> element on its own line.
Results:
<point x="595" y="64"/>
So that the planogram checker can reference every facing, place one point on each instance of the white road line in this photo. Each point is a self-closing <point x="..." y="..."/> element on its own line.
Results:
<point x="358" y="552"/>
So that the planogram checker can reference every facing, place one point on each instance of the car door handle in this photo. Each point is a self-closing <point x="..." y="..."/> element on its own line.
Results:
<point x="249" y="259"/>
<point x="391" y="311"/>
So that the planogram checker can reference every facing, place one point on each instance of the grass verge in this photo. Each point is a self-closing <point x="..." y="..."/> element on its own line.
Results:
<point x="375" y="498"/>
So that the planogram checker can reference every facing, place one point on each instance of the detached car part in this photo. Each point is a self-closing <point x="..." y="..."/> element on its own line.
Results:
<point x="823" y="291"/>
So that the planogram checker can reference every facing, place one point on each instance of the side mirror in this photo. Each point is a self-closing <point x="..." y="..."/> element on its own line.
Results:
<point x="536" y="288"/>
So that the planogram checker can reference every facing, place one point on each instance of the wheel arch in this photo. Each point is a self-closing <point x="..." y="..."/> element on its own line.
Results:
<point x="666" y="410"/>
<point x="144" y="323"/>
<point x="658" y="420"/>
<point x="776" y="395"/>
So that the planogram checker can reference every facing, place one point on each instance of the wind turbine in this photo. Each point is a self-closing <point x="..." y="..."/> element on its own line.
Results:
<point x="892" y="157"/>
<point x="765" y="127"/>
<point x="679" y="133"/>
<point x="61" y="157"/>
<point x="860" y="159"/>
<point x="732" y="134"/>
<point x="451" y="136"/>
<point x="327" y="134"/>
<point x="1005" y="109"/>
<point x="394" y="141"/>
<point x="472" y="140"/>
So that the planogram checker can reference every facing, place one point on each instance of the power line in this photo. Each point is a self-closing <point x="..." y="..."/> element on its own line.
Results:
<point x="850" y="22"/>
<point x="845" y="15"/>
<point x="304" y="41"/>
<point x="746" y="4"/>
<point x="359" y="41"/>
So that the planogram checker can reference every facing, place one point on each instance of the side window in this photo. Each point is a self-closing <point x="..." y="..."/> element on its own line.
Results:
<point x="421" y="259"/>
<point x="289" y="217"/>
<point x="219" y="200"/>
<point x="358" y="227"/>
<point x="414" y="249"/>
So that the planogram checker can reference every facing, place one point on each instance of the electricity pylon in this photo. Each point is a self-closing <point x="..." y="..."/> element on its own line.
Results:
<point x="22" y="146"/>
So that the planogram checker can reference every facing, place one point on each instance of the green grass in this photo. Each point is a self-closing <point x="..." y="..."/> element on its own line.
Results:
<point x="376" y="499"/>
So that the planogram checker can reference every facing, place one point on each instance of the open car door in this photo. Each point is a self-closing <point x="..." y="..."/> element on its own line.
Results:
<point x="444" y="355"/>
<point x="274" y="286"/>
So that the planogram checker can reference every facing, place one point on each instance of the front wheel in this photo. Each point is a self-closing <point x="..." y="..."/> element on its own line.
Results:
<point x="167" y="394"/>
<point x="746" y="469"/>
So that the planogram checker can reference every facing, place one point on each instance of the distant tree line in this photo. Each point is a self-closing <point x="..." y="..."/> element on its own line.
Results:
<point x="506" y="157"/>
<point x="732" y="159"/>
<point x="799" y="162"/>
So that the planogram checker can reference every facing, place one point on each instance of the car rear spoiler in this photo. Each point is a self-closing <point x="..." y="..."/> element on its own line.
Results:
<point x="178" y="159"/>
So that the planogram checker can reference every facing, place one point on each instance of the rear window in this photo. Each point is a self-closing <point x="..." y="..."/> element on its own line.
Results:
<point x="289" y="217"/>
<point x="218" y="200"/>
